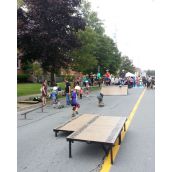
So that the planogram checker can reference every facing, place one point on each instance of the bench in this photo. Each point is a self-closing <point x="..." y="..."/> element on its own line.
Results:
<point x="29" y="102"/>
<point x="28" y="111"/>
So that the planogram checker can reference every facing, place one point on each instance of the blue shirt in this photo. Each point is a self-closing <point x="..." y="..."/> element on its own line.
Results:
<point x="54" y="95"/>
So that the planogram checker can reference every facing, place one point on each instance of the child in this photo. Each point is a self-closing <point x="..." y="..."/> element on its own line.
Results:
<point x="74" y="103"/>
<point x="81" y="92"/>
<point x="87" y="89"/>
<point x="53" y="96"/>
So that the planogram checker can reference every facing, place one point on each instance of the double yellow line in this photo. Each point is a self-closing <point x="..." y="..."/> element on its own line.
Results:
<point x="106" y="166"/>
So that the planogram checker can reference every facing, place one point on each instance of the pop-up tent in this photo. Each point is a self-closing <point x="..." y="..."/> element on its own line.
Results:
<point x="129" y="74"/>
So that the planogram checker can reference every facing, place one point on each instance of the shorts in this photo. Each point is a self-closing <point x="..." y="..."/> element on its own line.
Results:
<point x="76" y="105"/>
<point x="43" y="95"/>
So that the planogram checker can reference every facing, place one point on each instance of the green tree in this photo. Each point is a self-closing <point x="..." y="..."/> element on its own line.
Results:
<point x="91" y="17"/>
<point x="37" y="70"/>
<point x="19" y="3"/>
<point x="107" y="54"/>
<point x="97" y="48"/>
<point x="47" y="32"/>
<point x="150" y="72"/>
<point x="27" y="67"/>
<point x="126" y="65"/>
<point x="84" y="58"/>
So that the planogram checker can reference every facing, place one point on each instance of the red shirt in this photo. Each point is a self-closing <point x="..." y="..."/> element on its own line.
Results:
<point x="107" y="74"/>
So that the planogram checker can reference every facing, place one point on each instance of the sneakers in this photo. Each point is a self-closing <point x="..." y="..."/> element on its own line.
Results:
<point x="73" y="115"/>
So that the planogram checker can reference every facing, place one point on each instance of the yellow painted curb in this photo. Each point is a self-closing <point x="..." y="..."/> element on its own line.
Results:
<point x="106" y="166"/>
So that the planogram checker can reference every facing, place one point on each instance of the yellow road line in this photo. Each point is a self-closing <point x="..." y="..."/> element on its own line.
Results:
<point x="106" y="166"/>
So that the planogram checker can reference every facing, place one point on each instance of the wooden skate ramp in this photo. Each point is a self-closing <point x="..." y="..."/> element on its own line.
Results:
<point x="114" y="90"/>
<point x="104" y="129"/>
<point x="75" y="123"/>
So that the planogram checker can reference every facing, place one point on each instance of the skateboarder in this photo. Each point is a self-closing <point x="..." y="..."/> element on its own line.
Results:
<point x="74" y="103"/>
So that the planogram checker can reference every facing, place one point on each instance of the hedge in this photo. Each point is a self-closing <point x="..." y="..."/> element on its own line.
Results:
<point x="22" y="78"/>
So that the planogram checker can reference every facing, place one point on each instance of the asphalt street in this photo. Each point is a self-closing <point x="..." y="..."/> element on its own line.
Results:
<point x="137" y="153"/>
<point x="38" y="150"/>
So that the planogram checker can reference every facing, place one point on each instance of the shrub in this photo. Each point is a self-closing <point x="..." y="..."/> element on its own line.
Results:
<point x="21" y="78"/>
<point x="70" y="78"/>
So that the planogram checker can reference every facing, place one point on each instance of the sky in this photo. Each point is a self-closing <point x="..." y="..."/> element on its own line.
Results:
<point x="135" y="26"/>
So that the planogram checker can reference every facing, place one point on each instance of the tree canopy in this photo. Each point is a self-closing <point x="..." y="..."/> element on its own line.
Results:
<point x="66" y="34"/>
<point x="91" y="17"/>
<point x="126" y="65"/>
<point x="98" y="49"/>
<point x="150" y="72"/>
<point x="47" y="31"/>
<point x="84" y="59"/>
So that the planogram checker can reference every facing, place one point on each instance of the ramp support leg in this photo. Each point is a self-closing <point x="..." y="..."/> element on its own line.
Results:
<point x="56" y="133"/>
<point x="70" y="151"/>
<point x="105" y="149"/>
<point x="111" y="154"/>
<point x="120" y="138"/>
<point x="124" y="127"/>
<point x="25" y="116"/>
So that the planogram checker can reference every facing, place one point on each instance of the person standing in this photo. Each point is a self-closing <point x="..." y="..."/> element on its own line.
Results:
<point x="44" y="92"/>
<point x="67" y="91"/>
<point x="149" y="82"/>
<point x="83" y="81"/>
<point x="87" y="89"/>
<point x="107" y="77"/>
<point x="53" y="96"/>
<point x="92" y="79"/>
<point x="80" y="93"/>
<point x="99" y="78"/>
<point x="134" y="81"/>
<point x="144" y="81"/>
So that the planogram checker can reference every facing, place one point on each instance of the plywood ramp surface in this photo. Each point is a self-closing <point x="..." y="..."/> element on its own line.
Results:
<point x="114" y="90"/>
<point x="77" y="123"/>
<point x="104" y="129"/>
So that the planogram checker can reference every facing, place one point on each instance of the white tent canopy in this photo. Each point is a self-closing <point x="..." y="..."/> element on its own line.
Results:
<point x="129" y="74"/>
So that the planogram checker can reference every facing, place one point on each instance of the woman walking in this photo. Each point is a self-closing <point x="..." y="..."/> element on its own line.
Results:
<point x="44" y="92"/>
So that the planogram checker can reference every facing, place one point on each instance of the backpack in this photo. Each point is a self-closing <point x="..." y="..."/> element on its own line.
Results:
<point x="59" y="89"/>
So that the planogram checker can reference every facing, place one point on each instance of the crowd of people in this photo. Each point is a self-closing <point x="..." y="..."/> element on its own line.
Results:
<point x="134" y="81"/>
<point x="82" y="85"/>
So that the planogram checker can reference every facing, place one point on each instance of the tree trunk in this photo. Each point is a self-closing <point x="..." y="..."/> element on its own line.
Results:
<point x="52" y="78"/>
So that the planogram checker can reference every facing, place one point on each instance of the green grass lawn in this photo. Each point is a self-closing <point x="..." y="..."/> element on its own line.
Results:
<point x="61" y="84"/>
<point x="34" y="88"/>
<point x="28" y="89"/>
